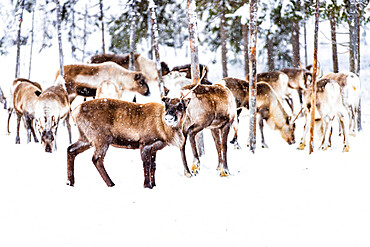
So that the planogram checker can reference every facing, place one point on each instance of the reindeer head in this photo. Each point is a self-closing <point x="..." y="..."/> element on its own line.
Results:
<point x="47" y="127"/>
<point x="175" y="111"/>
<point x="287" y="131"/>
<point x="141" y="85"/>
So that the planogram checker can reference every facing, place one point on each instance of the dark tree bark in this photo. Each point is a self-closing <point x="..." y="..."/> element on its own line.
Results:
<point x="295" y="44"/>
<point x="270" y="53"/>
<point x="223" y="39"/>
<point x="313" y="97"/>
<point x="17" y="64"/>
<point x="333" y="26"/>
<point x="132" y="36"/>
<point x="245" y="33"/>
<point x="253" y="76"/>
<point x="59" y="21"/>
<point x="85" y="33"/>
<point x="102" y="24"/>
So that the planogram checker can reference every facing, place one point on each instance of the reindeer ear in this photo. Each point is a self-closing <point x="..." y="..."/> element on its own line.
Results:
<point x="165" y="99"/>
<point x="37" y="93"/>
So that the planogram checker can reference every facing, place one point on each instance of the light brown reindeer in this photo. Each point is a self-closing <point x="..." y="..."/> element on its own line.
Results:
<point x="51" y="107"/>
<point x="350" y="88"/>
<point x="329" y="106"/>
<point x="210" y="107"/>
<point x="142" y="64"/>
<point x="299" y="79"/>
<point x="269" y="108"/>
<point x="83" y="79"/>
<point x="148" y="127"/>
<point x="108" y="89"/>
<point x="24" y="96"/>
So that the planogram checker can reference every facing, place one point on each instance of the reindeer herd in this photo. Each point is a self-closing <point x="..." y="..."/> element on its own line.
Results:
<point x="185" y="110"/>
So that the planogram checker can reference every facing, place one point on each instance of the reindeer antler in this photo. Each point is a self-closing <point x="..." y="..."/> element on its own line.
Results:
<point x="203" y="74"/>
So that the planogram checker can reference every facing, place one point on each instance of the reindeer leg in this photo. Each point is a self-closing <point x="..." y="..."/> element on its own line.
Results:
<point x="196" y="162"/>
<point x="33" y="131"/>
<point x="260" y="122"/>
<point x="10" y="111"/>
<point x="72" y="151"/>
<point x="68" y="128"/>
<point x="146" y="158"/>
<point x="183" y="157"/>
<point x="302" y="143"/>
<point x="98" y="159"/>
<point x="216" y="134"/>
<point x="344" y="122"/>
<point x="224" y="134"/>
<point x="235" y="138"/>
<point x="17" y="139"/>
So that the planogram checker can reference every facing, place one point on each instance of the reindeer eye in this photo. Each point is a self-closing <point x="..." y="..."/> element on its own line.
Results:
<point x="180" y="107"/>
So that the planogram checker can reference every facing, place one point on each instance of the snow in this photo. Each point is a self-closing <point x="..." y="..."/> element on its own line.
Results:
<point x="276" y="197"/>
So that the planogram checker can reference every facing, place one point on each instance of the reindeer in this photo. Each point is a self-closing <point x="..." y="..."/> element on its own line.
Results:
<point x="299" y="79"/>
<point x="148" y="127"/>
<point x="319" y="72"/>
<point x="108" y="89"/>
<point x="329" y="105"/>
<point x="269" y="108"/>
<point x="24" y="93"/>
<point x="210" y="107"/>
<point x="350" y="87"/>
<point x="203" y="69"/>
<point x="3" y="98"/>
<point x="83" y="79"/>
<point x="142" y="64"/>
<point x="52" y="105"/>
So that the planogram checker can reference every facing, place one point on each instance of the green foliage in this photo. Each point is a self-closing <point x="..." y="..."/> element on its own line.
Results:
<point x="171" y="19"/>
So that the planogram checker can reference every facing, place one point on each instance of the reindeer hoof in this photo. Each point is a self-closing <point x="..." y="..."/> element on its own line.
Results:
<point x="346" y="148"/>
<point x="237" y="146"/>
<point x="224" y="173"/>
<point x="188" y="174"/>
<point x="195" y="168"/>
<point x="70" y="183"/>
<point x="301" y="146"/>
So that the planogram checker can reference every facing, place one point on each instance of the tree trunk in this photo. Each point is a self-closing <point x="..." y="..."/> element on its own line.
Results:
<point x="102" y="24"/>
<point x="223" y="39"/>
<point x="253" y="76"/>
<point x="245" y="33"/>
<point x="32" y="40"/>
<point x="155" y="36"/>
<point x="17" y="64"/>
<point x="359" y="125"/>
<point x="314" y="68"/>
<point x="305" y="41"/>
<point x="295" y="44"/>
<point x="333" y="25"/>
<point x="195" y="72"/>
<point x="150" y="38"/>
<point x="59" y="20"/>
<point x="132" y="36"/>
<point x="85" y="34"/>
<point x="270" y="53"/>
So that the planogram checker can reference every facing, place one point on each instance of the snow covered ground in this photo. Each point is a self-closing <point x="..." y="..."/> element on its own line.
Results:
<point x="276" y="197"/>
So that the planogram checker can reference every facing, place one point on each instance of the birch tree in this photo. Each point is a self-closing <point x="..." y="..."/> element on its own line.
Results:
<point x="101" y="18"/>
<point x="152" y="8"/>
<point x="253" y="75"/>
<point x="20" y="6"/>
<point x="59" y="20"/>
<point x="314" y="68"/>
<point x="32" y="40"/>
<point x="132" y="35"/>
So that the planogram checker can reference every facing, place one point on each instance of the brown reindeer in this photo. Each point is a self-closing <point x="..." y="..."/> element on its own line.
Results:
<point x="148" y="127"/>
<point x="24" y="93"/>
<point x="145" y="65"/>
<point x="52" y="105"/>
<point x="269" y="108"/>
<point x="329" y="106"/>
<point x="210" y="107"/>
<point x="83" y="79"/>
